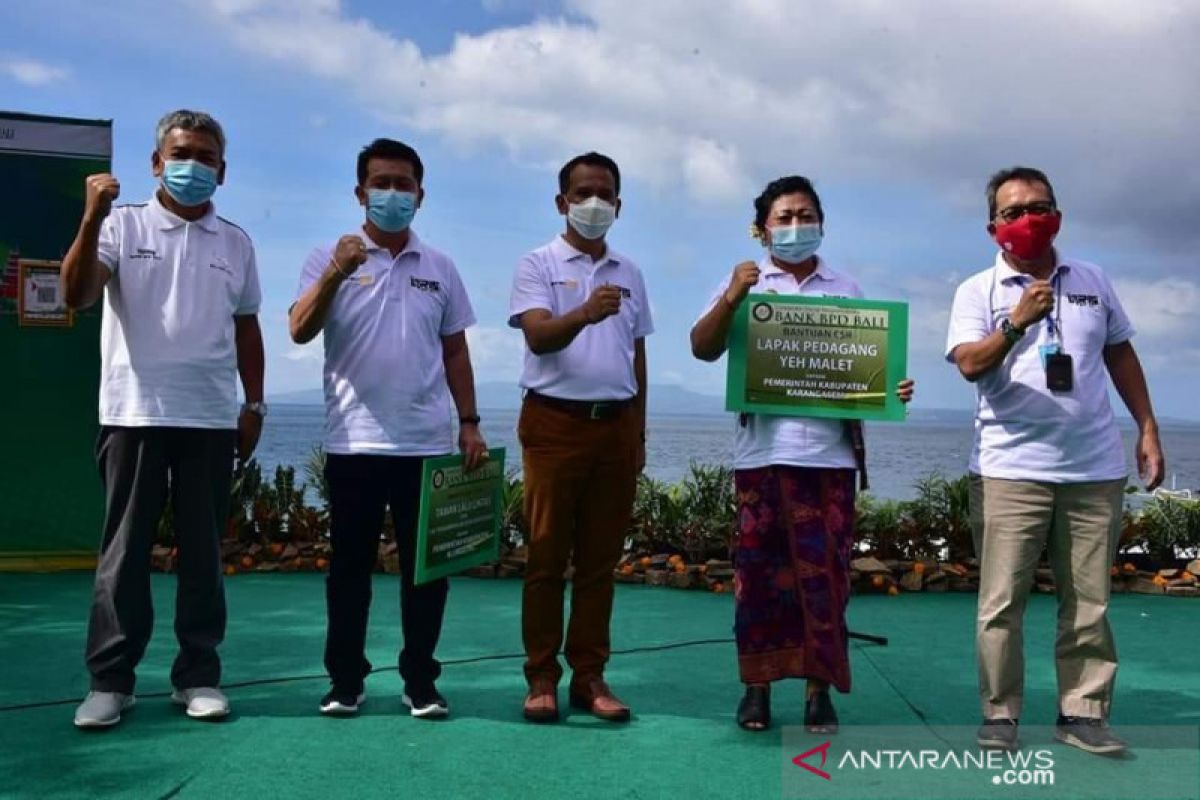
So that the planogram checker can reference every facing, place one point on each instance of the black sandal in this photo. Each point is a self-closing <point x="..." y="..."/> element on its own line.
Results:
<point x="819" y="714"/>
<point x="754" y="712"/>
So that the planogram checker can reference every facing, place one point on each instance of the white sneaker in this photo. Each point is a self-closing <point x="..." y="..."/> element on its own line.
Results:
<point x="205" y="702"/>
<point x="342" y="704"/>
<point x="102" y="709"/>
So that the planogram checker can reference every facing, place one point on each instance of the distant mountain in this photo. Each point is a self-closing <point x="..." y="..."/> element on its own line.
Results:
<point x="665" y="399"/>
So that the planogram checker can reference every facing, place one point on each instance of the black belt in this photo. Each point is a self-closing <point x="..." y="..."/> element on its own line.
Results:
<point x="584" y="409"/>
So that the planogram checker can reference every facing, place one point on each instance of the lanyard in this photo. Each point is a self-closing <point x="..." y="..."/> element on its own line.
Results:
<point x="1054" y="321"/>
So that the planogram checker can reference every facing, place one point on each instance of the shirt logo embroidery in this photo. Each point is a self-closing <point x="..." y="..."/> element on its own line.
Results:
<point x="570" y="283"/>
<point x="145" y="254"/>
<point x="425" y="285"/>
<point x="1090" y="300"/>
<point x="222" y="265"/>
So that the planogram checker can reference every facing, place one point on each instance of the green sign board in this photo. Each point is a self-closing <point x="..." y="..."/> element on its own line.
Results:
<point x="806" y="356"/>
<point x="53" y="504"/>
<point x="459" y="523"/>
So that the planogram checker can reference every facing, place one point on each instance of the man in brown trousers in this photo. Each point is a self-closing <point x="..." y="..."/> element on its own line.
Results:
<point x="585" y="316"/>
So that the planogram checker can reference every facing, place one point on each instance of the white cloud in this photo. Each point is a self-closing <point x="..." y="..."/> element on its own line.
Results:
<point x="1164" y="314"/>
<point x="32" y="72"/>
<point x="716" y="96"/>
<point x="496" y="353"/>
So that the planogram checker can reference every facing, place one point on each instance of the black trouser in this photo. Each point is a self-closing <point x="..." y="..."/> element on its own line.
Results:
<point x="360" y="489"/>
<point x="141" y="469"/>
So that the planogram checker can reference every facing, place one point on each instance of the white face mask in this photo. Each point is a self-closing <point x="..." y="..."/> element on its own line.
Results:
<point x="592" y="218"/>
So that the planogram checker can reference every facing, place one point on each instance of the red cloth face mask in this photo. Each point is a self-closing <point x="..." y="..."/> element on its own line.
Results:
<point x="1028" y="237"/>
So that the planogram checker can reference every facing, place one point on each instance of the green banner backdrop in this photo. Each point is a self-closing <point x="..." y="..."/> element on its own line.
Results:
<point x="52" y="505"/>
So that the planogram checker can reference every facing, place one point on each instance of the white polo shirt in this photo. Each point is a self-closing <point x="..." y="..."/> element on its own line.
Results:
<point x="385" y="384"/>
<point x="167" y="348"/>
<point x="1024" y="431"/>
<point x="598" y="363"/>
<point x="768" y="439"/>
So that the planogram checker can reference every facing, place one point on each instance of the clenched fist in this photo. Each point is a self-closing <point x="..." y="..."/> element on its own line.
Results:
<point x="745" y="275"/>
<point x="1034" y="305"/>
<point x="350" y="253"/>
<point x="604" y="302"/>
<point x="100" y="192"/>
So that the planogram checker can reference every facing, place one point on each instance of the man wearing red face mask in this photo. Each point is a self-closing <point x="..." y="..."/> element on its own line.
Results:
<point x="1039" y="334"/>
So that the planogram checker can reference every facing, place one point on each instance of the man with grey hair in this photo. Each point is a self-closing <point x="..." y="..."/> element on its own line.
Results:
<point x="181" y="297"/>
<point x="1041" y="335"/>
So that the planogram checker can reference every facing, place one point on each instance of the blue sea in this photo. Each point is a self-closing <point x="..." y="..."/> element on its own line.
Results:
<point x="897" y="453"/>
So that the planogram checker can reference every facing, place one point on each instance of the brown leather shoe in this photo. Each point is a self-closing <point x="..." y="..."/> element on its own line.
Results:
<point x="541" y="704"/>
<point x="595" y="696"/>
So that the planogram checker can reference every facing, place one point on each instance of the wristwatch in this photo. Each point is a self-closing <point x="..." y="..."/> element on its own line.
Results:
<point x="1011" y="332"/>
<point x="259" y="408"/>
<point x="471" y="420"/>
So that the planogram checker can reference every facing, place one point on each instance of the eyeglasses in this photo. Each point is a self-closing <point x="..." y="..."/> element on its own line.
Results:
<point x="1014" y="213"/>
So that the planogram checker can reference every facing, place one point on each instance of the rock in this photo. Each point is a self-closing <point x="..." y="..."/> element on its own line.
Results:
<point x="633" y="577"/>
<point x="1045" y="588"/>
<point x="231" y="547"/>
<point x="254" y="549"/>
<point x="680" y="580"/>
<point x="656" y="577"/>
<point x="715" y="568"/>
<point x="659" y="561"/>
<point x="268" y="566"/>
<point x="1168" y="573"/>
<point x="1143" y="585"/>
<point x="854" y="576"/>
<point x="1119" y="587"/>
<point x="1044" y="575"/>
<point x="391" y="563"/>
<point x="1194" y="568"/>
<point x="481" y="571"/>
<point x="290" y="552"/>
<point x="937" y="582"/>
<point x="893" y="565"/>
<point x="570" y="573"/>
<point x="1183" y="591"/>
<point x="869" y="565"/>
<point x="912" y="581"/>
<point x="1178" y="582"/>
<point x="507" y="570"/>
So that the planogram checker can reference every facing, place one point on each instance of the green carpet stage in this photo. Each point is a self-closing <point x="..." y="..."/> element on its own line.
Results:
<point x="681" y="744"/>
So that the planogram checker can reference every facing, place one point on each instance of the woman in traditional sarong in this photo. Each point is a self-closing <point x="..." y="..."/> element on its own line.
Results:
<point x="795" y="485"/>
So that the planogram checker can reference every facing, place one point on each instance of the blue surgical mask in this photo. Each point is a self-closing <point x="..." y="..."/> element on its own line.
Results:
<point x="795" y="243"/>
<point x="390" y="210"/>
<point x="190" y="183"/>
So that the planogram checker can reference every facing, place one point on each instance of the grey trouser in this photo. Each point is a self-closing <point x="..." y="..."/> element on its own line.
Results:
<point x="143" y="468"/>
<point x="1079" y="525"/>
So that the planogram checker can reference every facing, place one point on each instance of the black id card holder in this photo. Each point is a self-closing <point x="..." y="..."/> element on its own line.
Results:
<point x="1060" y="372"/>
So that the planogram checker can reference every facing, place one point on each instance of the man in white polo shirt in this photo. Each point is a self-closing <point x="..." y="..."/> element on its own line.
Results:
<point x="1039" y="334"/>
<point x="584" y="313"/>
<point x="181" y="299"/>
<point x="394" y="315"/>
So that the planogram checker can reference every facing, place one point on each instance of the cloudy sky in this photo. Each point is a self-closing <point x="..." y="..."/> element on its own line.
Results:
<point x="897" y="109"/>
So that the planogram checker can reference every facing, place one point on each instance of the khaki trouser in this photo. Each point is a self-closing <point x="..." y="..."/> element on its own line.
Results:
<point x="580" y="481"/>
<point x="1079" y="525"/>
